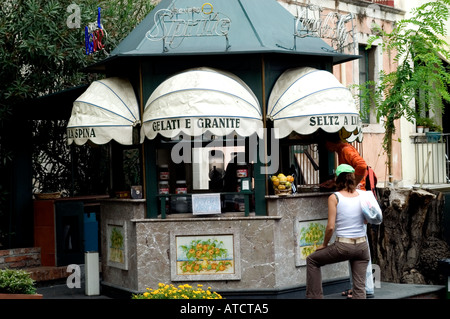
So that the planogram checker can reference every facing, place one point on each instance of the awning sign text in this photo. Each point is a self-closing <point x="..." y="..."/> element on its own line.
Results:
<point x="333" y="120"/>
<point x="200" y="123"/>
<point x="81" y="132"/>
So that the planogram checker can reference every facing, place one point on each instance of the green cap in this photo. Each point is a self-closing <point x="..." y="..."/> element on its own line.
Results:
<point x="344" y="168"/>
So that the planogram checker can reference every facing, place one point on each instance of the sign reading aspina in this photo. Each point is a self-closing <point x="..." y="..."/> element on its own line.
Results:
<point x="81" y="132"/>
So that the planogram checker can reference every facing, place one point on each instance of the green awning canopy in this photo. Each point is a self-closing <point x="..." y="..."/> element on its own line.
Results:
<point x="192" y="27"/>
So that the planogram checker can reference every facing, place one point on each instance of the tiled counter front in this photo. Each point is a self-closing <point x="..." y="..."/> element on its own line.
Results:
<point x="297" y="212"/>
<point x="263" y="248"/>
<point x="253" y="237"/>
<point x="117" y="214"/>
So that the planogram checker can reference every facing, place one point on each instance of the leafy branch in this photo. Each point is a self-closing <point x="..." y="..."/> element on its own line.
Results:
<point x="419" y="46"/>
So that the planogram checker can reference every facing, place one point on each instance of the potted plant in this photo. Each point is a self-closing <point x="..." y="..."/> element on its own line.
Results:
<point x="420" y="125"/>
<point x="427" y="123"/>
<point x="17" y="284"/>
<point x="435" y="127"/>
<point x="435" y="133"/>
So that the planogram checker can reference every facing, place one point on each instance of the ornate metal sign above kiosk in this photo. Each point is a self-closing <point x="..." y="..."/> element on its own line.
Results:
<point x="172" y="26"/>
<point x="333" y="26"/>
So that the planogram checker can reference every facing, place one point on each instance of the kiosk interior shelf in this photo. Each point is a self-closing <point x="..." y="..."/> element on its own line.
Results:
<point x="240" y="200"/>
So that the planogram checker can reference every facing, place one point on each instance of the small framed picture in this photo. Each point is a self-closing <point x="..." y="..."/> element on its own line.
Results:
<point x="309" y="235"/>
<point x="209" y="255"/>
<point x="245" y="184"/>
<point x="136" y="192"/>
<point x="117" y="250"/>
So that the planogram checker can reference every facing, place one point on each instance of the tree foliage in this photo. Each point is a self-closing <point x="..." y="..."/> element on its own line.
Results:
<point x="42" y="52"/>
<point x="418" y="46"/>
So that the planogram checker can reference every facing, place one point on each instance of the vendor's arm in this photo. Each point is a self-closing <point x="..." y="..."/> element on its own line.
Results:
<point x="358" y="178"/>
<point x="352" y="157"/>
<point x="329" y="230"/>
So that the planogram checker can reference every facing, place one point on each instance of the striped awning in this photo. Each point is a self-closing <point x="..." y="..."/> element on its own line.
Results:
<point x="200" y="100"/>
<point x="107" y="110"/>
<point x="305" y="99"/>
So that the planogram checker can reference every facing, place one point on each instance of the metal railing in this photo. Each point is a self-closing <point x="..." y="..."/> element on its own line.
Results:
<point x="432" y="158"/>
<point x="168" y="203"/>
<point x="307" y="157"/>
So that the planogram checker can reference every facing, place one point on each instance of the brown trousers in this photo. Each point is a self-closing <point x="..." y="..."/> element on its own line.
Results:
<point x="357" y="254"/>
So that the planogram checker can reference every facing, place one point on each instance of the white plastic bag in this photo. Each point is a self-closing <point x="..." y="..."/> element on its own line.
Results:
<point x="370" y="207"/>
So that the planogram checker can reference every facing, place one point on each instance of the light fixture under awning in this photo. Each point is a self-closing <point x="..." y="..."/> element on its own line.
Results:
<point x="306" y="99"/>
<point x="107" y="110"/>
<point x="200" y="100"/>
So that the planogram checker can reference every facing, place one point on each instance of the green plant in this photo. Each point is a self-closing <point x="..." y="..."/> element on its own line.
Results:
<point x="41" y="54"/>
<point x="417" y="45"/>
<point x="181" y="292"/>
<point x="424" y="121"/>
<point x="14" y="281"/>
<point x="435" y="127"/>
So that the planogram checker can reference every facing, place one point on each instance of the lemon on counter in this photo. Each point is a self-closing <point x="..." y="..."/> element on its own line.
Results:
<point x="275" y="181"/>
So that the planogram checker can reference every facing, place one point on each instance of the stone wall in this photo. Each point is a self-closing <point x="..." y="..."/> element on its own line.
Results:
<point x="29" y="259"/>
<point x="20" y="258"/>
<point x="121" y="212"/>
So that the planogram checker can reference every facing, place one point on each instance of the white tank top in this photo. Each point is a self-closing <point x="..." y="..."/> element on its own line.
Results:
<point x="349" y="217"/>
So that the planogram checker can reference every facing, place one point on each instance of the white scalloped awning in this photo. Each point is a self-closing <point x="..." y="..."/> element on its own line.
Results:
<point x="306" y="99"/>
<point x="200" y="100"/>
<point x="107" y="110"/>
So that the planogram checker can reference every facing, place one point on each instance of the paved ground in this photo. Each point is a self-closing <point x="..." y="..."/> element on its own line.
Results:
<point x="386" y="291"/>
<point x="402" y="291"/>
<point x="61" y="291"/>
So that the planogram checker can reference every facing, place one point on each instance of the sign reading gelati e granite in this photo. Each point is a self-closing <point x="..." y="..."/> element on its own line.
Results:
<point x="200" y="123"/>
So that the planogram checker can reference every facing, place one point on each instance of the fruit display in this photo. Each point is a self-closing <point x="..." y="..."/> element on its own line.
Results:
<point x="282" y="184"/>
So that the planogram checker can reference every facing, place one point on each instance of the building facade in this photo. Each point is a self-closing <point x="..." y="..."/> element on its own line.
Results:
<point x="409" y="153"/>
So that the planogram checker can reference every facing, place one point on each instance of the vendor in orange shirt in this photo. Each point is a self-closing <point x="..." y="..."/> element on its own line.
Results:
<point x="347" y="154"/>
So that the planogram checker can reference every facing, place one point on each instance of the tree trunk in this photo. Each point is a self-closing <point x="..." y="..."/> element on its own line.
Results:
<point x="388" y="142"/>
<point x="409" y="242"/>
<point x="388" y="149"/>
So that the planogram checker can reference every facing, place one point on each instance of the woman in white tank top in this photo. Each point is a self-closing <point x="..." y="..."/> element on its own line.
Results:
<point x="349" y="217"/>
<point x="346" y="218"/>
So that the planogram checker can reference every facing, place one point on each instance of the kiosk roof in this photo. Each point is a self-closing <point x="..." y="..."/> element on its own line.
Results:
<point x="192" y="27"/>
